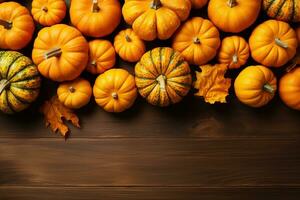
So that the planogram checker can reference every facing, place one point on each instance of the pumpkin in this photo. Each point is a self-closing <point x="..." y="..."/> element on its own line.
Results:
<point x="285" y="10"/>
<point x="273" y="43"/>
<point x="75" y="94"/>
<point x="115" y="90"/>
<point x="234" y="52"/>
<point x="19" y="82"/>
<point x="255" y="86"/>
<point x="298" y="35"/>
<point x="60" y="52"/>
<point x="16" y="26"/>
<point x="233" y="15"/>
<point x="129" y="46"/>
<point x="48" y="12"/>
<point x="102" y="56"/>
<point x="198" y="3"/>
<point x="197" y="40"/>
<point x="289" y="88"/>
<point x="151" y="19"/>
<point x="95" y="18"/>
<point x="162" y="76"/>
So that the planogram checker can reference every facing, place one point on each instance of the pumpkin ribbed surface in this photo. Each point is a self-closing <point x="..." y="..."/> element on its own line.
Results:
<point x="286" y="10"/>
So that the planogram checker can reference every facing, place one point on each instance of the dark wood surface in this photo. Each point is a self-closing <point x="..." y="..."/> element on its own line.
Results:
<point x="188" y="151"/>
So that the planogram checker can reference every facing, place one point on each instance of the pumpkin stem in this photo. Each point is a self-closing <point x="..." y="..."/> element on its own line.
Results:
<point x="162" y="82"/>
<point x="72" y="89"/>
<point x="156" y="4"/>
<point x="45" y="9"/>
<point x="128" y="39"/>
<point x="235" y="59"/>
<point x="281" y="43"/>
<point x="93" y="63"/>
<point x="268" y="88"/>
<point x="196" y="40"/>
<point x="95" y="7"/>
<point x="52" y="52"/>
<point x="3" y="85"/>
<point x="231" y="3"/>
<point x="114" y="95"/>
<point x="5" y="24"/>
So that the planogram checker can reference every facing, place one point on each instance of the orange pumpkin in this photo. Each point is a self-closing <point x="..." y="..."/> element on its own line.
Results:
<point x="273" y="43"/>
<point x="255" y="86"/>
<point x="151" y="19"/>
<point x="115" y="90"/>
<point x="233" y="15"/>
<point x="198" y="3"/>
<point x="48" y="12"/>
<point x="102" y="56"/>
<point x="129" y="46"/>
<point x="234" y="52"/>
<point x="289" y="88"/>
<point x="95" y="18"/>
<point x="75" y="94"/>
<point x="197" y="40"/>
<point x="16" y="26"/>
<point x="60" y="52"/>
<point x="298" y="35"/>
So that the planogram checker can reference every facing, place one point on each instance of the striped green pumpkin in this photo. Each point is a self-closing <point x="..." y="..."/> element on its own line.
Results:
<point x="285" y="10"/>
<point x="19" y="82"/>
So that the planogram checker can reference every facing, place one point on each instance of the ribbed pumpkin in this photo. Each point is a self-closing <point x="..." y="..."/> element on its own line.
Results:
<point x="163" y="76"/>
<point x="273" y="43"/>
<point x="197" y="40"/>
<point x="16" y="26"/>
<point x="61" y="52"/>
<point x="115" y="90"/>
<point x="233" y="15"/>
<point x="48" y="12"/>
<point x="255" y="86"/>
<point x="234" y="51"/>
<point x="285" y="10"/>
<point x="102" y="56"/>
<point x="198" y="3"/>
<point x="289" y="88"/>
<point x="19" y="82"/>
<point x="95" y="18"/>
<point x="151" y="19"/>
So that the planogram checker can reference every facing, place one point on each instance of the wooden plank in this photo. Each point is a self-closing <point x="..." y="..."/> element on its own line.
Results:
<point x="150" y="162"/>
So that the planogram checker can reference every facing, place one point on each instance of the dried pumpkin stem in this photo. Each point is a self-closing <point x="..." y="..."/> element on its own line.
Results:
<point x="291" y="67"/>
<point x="156" y="4"/>
<point x="72" y="89"/>
<point x="128" y="39"/>
<point x="53" y="52"/>
<point x="45" y="9"/>
<point x="268" y="88"/>
<point x="95" y="7"/>
<point x="231" y="3"/>
<point x="235" y="59"/>
<point x="3" y="85"/>
<point x="281" y="43"/>
<point x="6" y="24"/>
<point x="162" y="82"/>
<point x="114" y="95"/>
<point x="196" y="40"/>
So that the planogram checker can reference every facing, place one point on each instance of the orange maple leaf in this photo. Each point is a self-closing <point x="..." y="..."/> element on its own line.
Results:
<point x="55" y="113"/>
<point x="212" y="84"/>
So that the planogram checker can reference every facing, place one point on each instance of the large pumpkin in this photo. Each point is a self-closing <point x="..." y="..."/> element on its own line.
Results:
<point x="16" y="26"/>
<point x="152" y="19"/>
<point x="162" y="76"/>
<point x="286" y="10"/>
<point x="61" y="52"/>
<point x="233" y="15"/>
<point x="273" y="43"/>
<point x="19" y="82"/>
<point x="95" y="18"/>
<point x="289" y="88"/>
<point x="197" y="40"/>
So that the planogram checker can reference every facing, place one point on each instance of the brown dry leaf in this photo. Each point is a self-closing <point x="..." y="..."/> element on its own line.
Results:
<point x="212" y="84"/>
<point x="55" y="113"/>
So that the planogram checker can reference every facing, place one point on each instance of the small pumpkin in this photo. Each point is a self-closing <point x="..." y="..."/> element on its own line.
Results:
<point x="233" y="15"/>
<point x="285" y="10"/>
<point x="95" y="18"/>
<point x="289" y="88"/>
<point x="129" y="46"/>
<point x="198" y="3"/>
<point x="197" y="40"/>
<point x="151" y="19"/>
<point x="255" y="86"/>
<point x="273" y="43"/>
<point x="19" y="82"/>
<point x="162" y="76"/>
<point x="115" y="90"/>
<point x="48" y="12"/>
<point x="16" y="26"/>
<point x="60" y="52"/>
<point x="234" y="52"/>
<point x="102" y="56"/>
<point x="75" y="94"/>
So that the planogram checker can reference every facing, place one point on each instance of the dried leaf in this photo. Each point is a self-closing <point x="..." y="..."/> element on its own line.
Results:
<point x="55" y="113"/>
<point x="212" y="84"/>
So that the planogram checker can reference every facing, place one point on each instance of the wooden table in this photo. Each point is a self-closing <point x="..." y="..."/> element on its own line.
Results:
<point x="189" y="151"/>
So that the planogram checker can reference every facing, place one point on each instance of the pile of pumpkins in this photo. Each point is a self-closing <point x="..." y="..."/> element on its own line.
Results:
<point x="162" y="75"/>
